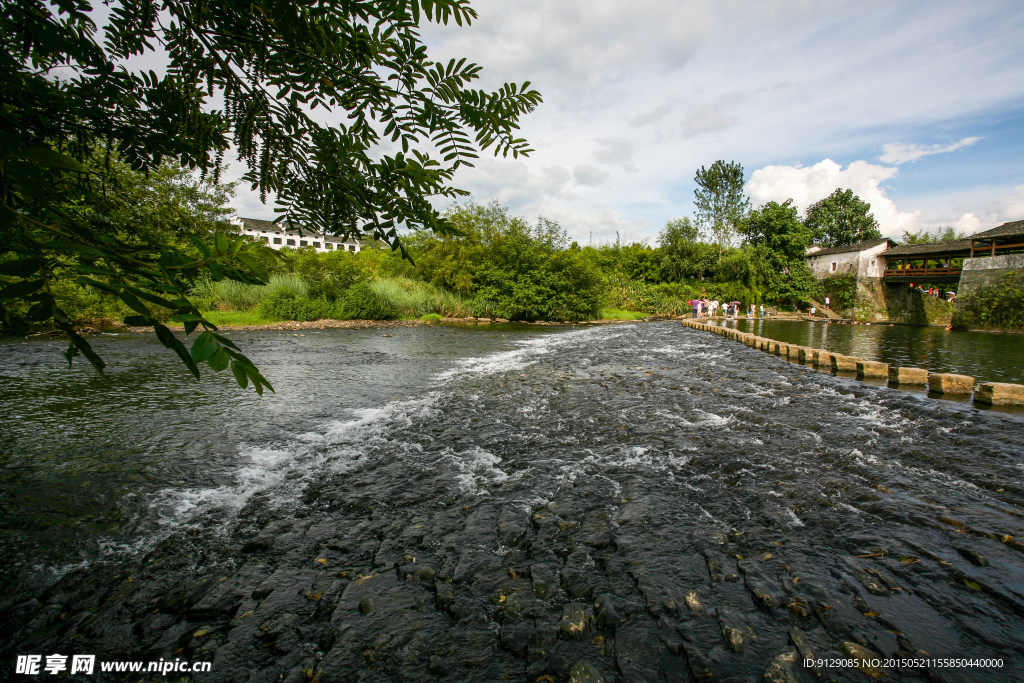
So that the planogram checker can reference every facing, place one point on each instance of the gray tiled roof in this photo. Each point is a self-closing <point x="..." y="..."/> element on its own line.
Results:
<point x="1011" y="229"/>
<point x="930" y="248"/>
<point x="859" y="246"/>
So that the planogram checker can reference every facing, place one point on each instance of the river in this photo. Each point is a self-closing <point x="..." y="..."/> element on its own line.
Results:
<point x="986" y="356"/>
<point x="636" y="502"/>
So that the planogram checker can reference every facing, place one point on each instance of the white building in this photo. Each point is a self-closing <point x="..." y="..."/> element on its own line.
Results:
<point x="863" y="259"/>
<point x="279" y="235"/>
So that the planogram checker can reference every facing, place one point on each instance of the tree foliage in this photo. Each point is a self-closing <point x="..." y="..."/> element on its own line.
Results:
<point x="841" y="219"/>
<point x="777" y="227"/>
<point x="683" y="254"/>
<point x="243" y="76"/>
<point x="720" y="201"/>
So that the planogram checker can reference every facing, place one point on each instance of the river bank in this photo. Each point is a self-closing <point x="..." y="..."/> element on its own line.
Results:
<point x="453" y="503"/>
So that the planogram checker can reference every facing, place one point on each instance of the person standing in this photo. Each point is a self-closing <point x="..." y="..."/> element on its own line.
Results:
<point x="762" y="310"/>
<point x="814" y="310"/>
<point x="827" y="302"/>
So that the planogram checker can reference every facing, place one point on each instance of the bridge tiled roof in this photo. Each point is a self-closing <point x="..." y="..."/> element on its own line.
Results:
<point x="1011" y="229"/>
<point x="928" y="248"/>
<point x="859" y="246"/>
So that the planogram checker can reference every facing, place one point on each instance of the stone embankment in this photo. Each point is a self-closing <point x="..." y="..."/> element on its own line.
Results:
<point x="944" y="384"/>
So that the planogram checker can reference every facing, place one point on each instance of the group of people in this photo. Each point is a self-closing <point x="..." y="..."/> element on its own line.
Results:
<point x="935" y="292"/>
<point x="708" y="308"/>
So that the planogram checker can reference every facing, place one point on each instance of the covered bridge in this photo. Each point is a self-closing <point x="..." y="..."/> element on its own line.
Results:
<point x="926" y="262"/>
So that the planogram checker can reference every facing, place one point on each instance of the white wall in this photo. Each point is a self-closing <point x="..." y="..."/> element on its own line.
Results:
<point x="867" y="263"/>
<point x="278" y="239"/>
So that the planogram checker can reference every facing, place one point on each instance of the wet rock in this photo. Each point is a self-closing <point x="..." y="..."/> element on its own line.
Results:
<point x="873" y="585"/>
<point x="514" y="527"/>
<point x="366" y="605"/>
<point x="583" y="672"/>
<point x="543" y="637"/>
<point x="580" y="575"/>
<point x="515" y="637"/>
<point x="575" y="622"/>
<point x="693" y="603"/>
<point x="636" y="653"/>
<point x="595" y="530"/>
<point x="780" y="668"/>
<point x="714" y="564"/>
<point x="973" y="556"/>
<point x="544" y="579"/>
<point x="799" y="640"/>
<point x="863" y="656"/>
<point x="179" y="600"/>
<point x="799" y="606"/>
<point x="732" y="578"/>
<point x="425" y="574"/>
<point x="607" y="615"/>
<point x="734" y="631"/>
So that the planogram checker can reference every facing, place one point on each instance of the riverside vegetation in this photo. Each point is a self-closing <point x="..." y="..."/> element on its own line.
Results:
<point x="489" y="264"/>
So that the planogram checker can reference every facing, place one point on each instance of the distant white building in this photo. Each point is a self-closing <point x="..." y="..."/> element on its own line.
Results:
<point x="279" y="235"/>
<point x="863" y="259"/>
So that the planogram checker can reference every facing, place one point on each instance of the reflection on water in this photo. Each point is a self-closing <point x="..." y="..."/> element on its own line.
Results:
<point x="987" y="356"/>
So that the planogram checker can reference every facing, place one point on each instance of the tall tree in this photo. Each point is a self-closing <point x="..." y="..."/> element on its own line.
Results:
<point x="720" y="201"/>
<point x="842" y="219"/>
<point x="243" y="76"/>
<point x="683" y="255"/>
<point x="777" y="227"/>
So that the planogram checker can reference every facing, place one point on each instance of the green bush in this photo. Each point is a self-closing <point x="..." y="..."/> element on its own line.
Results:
<point x="431" y="317"/>
<point x="999" y="306"/>
<point x="285" y="304"/>
<point x="841" y="291"/>
<point x="361" y="302"/>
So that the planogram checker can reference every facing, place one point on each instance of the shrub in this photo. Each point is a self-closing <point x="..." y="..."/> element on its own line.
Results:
<point x="284" y="304"/>
<point x="431" y="317"/>
<point x="361" y="302"/>
<point x="998" y="306"/>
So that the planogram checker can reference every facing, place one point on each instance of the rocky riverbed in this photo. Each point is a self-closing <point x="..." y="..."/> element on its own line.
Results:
<point x="640" y="502"/>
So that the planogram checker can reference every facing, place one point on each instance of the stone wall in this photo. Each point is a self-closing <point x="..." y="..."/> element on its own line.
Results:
<point x="987" y="271"/>
<point x="905" y="305"/>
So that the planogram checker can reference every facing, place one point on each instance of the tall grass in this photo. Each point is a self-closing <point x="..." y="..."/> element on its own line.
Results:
<point x="229" y="295"/>
<point x="415" y="299"/>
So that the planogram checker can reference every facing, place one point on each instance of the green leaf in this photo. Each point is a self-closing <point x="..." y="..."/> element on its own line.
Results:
<point x="204" y="347"/>
<point x="137" y="321"/>
<point x="17" y="290"/>
<point x="48" y="157"/>
<point x="168" y="339"/>
<point x="219" y="360"/>
<point x="240" y="372"/>
<point x="21" y="268"/>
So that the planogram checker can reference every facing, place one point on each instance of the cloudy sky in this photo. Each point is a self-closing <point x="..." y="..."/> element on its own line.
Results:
<point x="916" y="106"/>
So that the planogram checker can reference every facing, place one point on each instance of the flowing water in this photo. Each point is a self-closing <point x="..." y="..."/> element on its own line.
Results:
<point x="504" y="503"/>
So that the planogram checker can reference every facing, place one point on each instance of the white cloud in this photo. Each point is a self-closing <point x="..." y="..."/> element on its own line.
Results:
<point x="639" y="95"/>
<point x="902" y="152"/>
<point x="808" y="184"/>
<point x="585" y="174"/>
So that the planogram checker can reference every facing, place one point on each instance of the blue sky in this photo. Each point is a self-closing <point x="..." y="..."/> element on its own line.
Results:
<point x="916" y="106"/>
